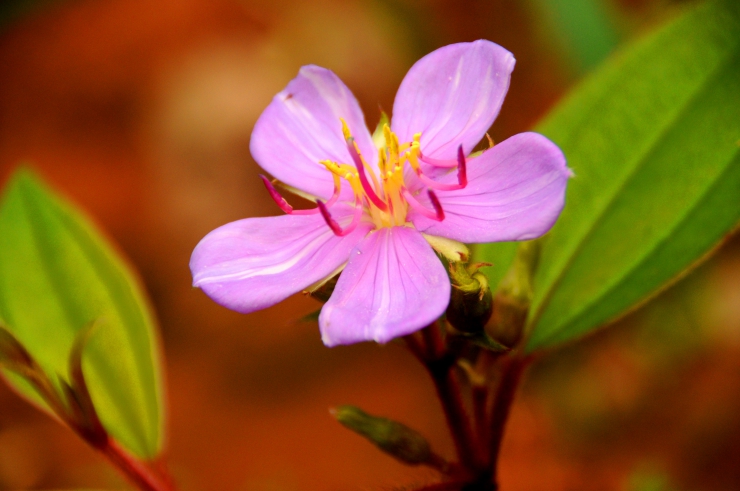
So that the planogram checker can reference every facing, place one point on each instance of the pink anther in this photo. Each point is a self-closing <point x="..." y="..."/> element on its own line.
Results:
<point x="333" y="225"/>
<point x="287" y="208"/>
<point x="462" y="168"/>
<point x="276" y="197"/>
<point x="438" y="214"/>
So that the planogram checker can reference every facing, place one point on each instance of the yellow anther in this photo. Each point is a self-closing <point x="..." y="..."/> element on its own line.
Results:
<point x="345" y="129"/>
<point x="386" y="181"/>
<point x="330" y="166"/>
<point x="394" y="145"/>
<point x="413" y="159"/>
<point x="382" y="162"/>
<point x="387" y="134"/>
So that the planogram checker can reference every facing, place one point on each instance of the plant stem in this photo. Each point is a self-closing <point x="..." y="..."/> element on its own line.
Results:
<point x="440" y="365"/>
<point x="512" y="369"/>
<point x="135" y="471"/>
<point x="479" y="394"/>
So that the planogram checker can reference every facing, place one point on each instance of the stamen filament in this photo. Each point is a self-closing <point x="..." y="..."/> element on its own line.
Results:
<point x="369" y="191"/>
<point x="287" y="208"/>
<point x="333" y="225"/>
<point x="437" y="162"/>
<point x="462" y="175"/>
<point x="438" y="213"/>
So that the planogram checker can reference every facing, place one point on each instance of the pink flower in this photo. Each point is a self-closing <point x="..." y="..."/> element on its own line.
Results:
<point x="375" y="198"/>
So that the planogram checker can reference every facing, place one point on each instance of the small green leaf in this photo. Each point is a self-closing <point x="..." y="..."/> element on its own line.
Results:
<point x="58" y="274"/>
<point x="85" y="416"/>
<point x="654" y="140"/>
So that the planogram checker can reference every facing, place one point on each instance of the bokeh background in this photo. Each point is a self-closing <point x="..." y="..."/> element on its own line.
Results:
<point x="140" y="112"/>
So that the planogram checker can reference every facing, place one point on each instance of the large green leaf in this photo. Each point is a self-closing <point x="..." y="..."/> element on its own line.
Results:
<point x="585" y="29"/>
<point x="499" y="254"/>
<point x="58" y="274"/>
<point x="654" y="140"/>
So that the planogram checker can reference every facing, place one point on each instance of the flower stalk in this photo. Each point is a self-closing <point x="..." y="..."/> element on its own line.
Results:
<point x="477" y="383"/>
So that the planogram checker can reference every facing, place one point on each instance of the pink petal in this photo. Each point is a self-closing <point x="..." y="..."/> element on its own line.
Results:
<point x="393" y="285"/>
<point x="254" y="263"/>
<point x="452" y="96"/>
<point x="301" y="127"/>
<point x="515" y="191"/>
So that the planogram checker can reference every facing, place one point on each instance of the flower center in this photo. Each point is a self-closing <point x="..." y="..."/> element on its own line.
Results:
<point x="385" y="197"/>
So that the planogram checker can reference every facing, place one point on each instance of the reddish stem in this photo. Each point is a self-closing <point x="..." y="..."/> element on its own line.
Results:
<point x="440" y="365"/>
<point x="479" y="394"/>
<point x="135" y="471"/>
<point x="511" y="373"/>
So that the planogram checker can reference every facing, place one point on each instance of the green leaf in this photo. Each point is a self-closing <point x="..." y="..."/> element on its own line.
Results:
<point x="586" y="29"/>
<point x="654" y="140"/>
<point x="499" y="254"/>
<point x="58" y="274"/>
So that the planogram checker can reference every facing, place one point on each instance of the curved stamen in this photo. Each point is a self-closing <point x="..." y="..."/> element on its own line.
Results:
<point x="462" y="175"/>
<point x="437" y="162"/>
<point x="287" y="208"/>
<point x="369" y="191"/>
<point x="333" y="225"/>
<point x="276" y="197"/>
<point x="438" y="214"/>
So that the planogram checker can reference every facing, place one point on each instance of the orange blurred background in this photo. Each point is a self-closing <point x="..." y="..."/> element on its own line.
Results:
<point x="140" y="112"/>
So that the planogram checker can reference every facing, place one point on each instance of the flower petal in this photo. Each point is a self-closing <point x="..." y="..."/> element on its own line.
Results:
<point x="452" y="96"/>
<point x="254" y="263"/>
<point x="302" y="126"/>
<point x="393" y="285"/>
<point x="515" y="191"/>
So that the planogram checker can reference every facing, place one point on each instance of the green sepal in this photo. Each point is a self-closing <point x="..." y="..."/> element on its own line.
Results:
<point x="378" y="134"/>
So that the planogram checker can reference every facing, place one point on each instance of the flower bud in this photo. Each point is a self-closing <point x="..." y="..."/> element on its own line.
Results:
<point x="471" y="301"/>
<point x="392" y="437"/>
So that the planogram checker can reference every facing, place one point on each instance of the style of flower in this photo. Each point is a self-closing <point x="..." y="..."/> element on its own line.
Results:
<point x="381" y="199"/>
